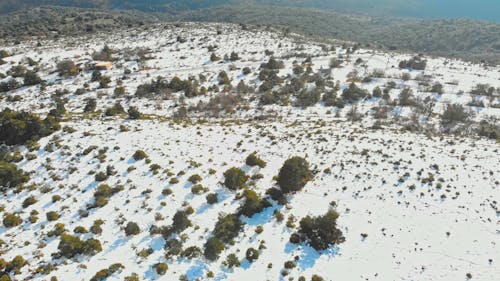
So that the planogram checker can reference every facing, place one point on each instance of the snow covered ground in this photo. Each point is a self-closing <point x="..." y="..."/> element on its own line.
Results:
<point x="426" y="204"/>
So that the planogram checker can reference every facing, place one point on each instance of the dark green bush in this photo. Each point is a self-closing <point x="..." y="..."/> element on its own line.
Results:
<point x="294" y="174"/>
<point x="10" y="176"/>
<point x="116" y="109"/>
<point x="227" y="228"/>
<point x="254" y="160"/>
<point x="132" y="229"/>
<point x="161" y="268"/>
<point x="133" y="113"/>
<point x="29" y="201"/>
<point x="252" y="203"/>
<point x="251" y="254"/>
<point x="139" y="155"/>
<point x="235" y="178"/>
<point x="455" y="113"/>
<point x="213" y="248"/>
<point x="212" y="198"/>
<point x="321" y="232"/>
<point x="353" y="93"/>
<point x="11" y="220"/>
<point x="70" y="246"/>
<point x="20" y="127"/>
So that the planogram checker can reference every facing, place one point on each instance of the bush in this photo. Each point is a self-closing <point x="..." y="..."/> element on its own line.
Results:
<point x="21" y="127"/>
<point x="11" y="220"/>
<point x="227" y="228"/>
<point x="116" y="109"/>
<point x="9" y="85"/>
<point x="29" y="201"/>
<point x="103" y="274"/>
<point x="406" y="97"/>
<point x="232" y="261"/>
<point x="212" y="198"/>
<point x="416" y="63"/>
<point x="195" y="178"/>
<point x="253" y="203"/>
<point x="251" y="254"/>
<point x="52" y="216"/>
<point x="10" y="176"/>
<point x="273" y="64"/>
<point x="321" y="232"/>
<point x="294" y="174"/>
<point x="31" y="78"/>
<point x="133" y="113"/>
<point x="353" y="93"/>
<point x="90" y="105"/>
<point x="67" y="68"/>
<point x="132" y="229"/>
<point x="308" y="98"/>
<point x="213" y="248"/>
<point x="139" y="155"/>
<point x="454" y="113"/>
<point x="235" y="178"/>
<point x="254" y="160"/>
<point x="70" y="246"/>
<point x="161" y="268"/>
<point x="180" y="222"/>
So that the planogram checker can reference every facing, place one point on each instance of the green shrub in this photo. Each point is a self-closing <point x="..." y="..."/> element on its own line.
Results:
<point x="232" y="261"/>
<point x="180" y="221"/>
<point x="252" y="203"/>
<point x="10" y="176"/>
<point x="227" y="228"/>
<point x="103" y="274"/>
<point x="213" y="248"/>
<point x="321" y="232"/>
<point x="70" y="246"/>
<point x="251" y="254"/>
<point x="11" y="220"/>
<point x="90" y="105"/>
<point x="132" y="229"/>
<point x="353" y="93"/>
<point x="254" y="160"/>
<point x="161" y="268"/>
<point x="67" y="68"/>
<point x="52" y="216"/>
<point x="454" y="113"/>
<point x="195" y="178"/>
<point x="139" y="155"/>
<point x="21" y="127"/>
<point x="133" y="113"/>
<point x="116" y="109"/>
<point x="29" y="201"/>
<point x="212" y="198"/>
<point x="294" y="174"/>
<point x="235" y="178"/>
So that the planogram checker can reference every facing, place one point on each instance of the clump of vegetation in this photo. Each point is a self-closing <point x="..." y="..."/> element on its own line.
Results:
<point x="70" y="246"/>
<point x="161" y="268"/>
<point x="353" y="93"/>
<point x="21" y="127"/>
<point x="252" y="254"/>
<point x="253" y="204"/>
<point x="67" y="68"/>
<point x="134" y="113"/>
<point x="212" y="198"/>
<point x="105" y="273"/>
<point x="11" y="176"/>
<point x="235" y="178"/>
<point x="132" y="229"/>
<point x="11" y="220"/>
<point x="116" y="109"/>
<point x="213" y="248"/>
<point x="139" y="155"/>
<point x="225" y="230"/>
<point x="455" y="113"/>
<point x="319" y="232"/>
<point x="294" y="174"/>
<point x="254" y="160"/>
<point x="416" y="63"/>
<point x="103" y="193"/>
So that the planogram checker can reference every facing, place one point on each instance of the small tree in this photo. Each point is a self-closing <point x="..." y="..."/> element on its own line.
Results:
<point x="321" y="232"/>
<point x="213" y="248"/>
<point x="254" y="160"/>
<point x="294" y="174"/>
<point x="133" y="113"/>
<point x="67" y="68"/>
<point x="235" y="178"/>
<point x="251" y="254"/>
<point x="454" y="113"/>
<point x="132" y="229"/>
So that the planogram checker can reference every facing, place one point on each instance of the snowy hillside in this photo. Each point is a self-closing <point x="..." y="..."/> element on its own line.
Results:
<point x="137" y="179"/>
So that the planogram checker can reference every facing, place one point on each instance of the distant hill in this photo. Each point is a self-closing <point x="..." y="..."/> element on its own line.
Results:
<point x="481" y="9"/>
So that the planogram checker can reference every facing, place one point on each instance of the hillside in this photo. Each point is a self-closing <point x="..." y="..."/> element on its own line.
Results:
<point x="208" y="151"/>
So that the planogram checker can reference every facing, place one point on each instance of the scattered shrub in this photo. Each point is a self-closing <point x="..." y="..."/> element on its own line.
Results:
<point x="132" y="229"/>
<point x="454" y="113"/>
<point x="11" y="176"/>
<point x="213" y="248"/>
<point x="139" y="155"/>
<point x="252" y="254"/>
<point x="252" y="203"/>
<point x="321" y="232"/>
<point x="254" y="160"/>
<point x="212" y="198"/>
<point x="21" y="127"/>
<point x="294" y="174"/>
<point x="235" y="178"/>
<point x="11" y="220"/>
<point x="161" y="268"/>
<point x="52" y="216"/>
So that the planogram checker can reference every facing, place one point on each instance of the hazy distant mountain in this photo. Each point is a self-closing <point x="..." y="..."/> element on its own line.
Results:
<point x="479" y="9"/>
